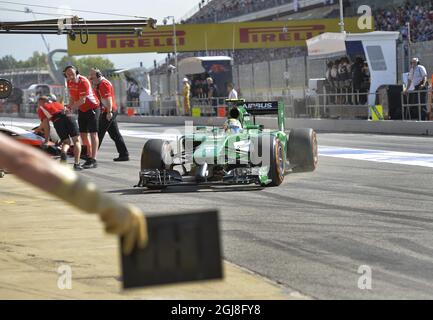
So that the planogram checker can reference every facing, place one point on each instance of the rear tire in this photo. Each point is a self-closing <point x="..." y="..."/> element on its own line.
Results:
<point x="156" y="154"/>
<point x="302" y="150"/>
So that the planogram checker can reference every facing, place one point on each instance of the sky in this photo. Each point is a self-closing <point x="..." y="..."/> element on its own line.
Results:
<point x="23" y="46"/>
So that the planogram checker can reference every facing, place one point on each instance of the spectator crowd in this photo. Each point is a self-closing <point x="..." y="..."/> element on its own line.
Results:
<point x="419" y="16"/>
<point x="213" y="11"/>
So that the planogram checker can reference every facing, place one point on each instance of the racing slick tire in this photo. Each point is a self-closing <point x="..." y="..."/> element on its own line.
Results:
<point x="275" y="157"/>
<point x="302" y="151"/>
<point x="156" y="154"/>
<point x="277" y="165"/>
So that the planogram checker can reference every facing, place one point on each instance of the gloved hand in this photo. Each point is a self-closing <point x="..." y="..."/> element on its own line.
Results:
<point x="128" y="221"/>
<point x="123" y="220"/>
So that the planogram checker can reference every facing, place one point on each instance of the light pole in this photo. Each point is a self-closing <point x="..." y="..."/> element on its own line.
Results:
<point x="175" y="52"/>
<point x="28" y="10"/>
<point x="409" y="42"/>
<point x="341" y="17"/>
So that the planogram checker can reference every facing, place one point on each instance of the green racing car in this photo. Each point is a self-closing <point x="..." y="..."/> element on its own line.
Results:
<point x="241" y="152"/>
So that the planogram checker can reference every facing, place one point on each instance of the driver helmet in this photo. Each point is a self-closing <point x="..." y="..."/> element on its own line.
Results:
<point x="234" y="126"/>
<point x="234" y="113"/>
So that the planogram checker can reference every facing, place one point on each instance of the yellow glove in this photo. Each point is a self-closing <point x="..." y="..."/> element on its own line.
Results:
<point x="124" y="220"/>
<point x="128" y="221"/>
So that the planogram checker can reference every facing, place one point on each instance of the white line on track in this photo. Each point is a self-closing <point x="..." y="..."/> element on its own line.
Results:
<point x="126" y="133"/>
<point x="384" y="156"/>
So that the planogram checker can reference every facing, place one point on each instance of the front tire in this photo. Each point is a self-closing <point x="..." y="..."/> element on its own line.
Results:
<point x="270" y="152"/>
<point x="277" y="165"/>
<point x="156" y="154"/>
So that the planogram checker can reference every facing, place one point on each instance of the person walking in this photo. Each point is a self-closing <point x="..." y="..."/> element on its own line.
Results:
<point x="109" y="111"/>
<point x="84" y="99"/>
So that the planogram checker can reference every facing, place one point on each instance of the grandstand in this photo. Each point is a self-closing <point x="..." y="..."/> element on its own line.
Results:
<point x="255" y="10"/>
<point x="418" y="14"/>
<point x="389" y="15"/>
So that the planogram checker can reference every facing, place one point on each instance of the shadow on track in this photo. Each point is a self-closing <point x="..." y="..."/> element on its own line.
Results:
<point x="186" y="189"/>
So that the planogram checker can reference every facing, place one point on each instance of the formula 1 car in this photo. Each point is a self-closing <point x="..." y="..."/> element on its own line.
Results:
<point x="251" y="155"/>
<point x="32" y="138"/>
<point x="35" y="138"/>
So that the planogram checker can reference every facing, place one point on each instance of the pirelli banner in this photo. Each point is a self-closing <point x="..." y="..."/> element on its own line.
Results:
<point x="222" y="36"/>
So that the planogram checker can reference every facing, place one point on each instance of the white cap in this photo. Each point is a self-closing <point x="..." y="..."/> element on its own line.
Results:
<point x="185" y="80"/>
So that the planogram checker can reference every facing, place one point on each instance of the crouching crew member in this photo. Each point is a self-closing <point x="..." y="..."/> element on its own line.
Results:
<point x="83" y="97"/>
<point x="107" y="120"/>
<point x="66" y="128"/>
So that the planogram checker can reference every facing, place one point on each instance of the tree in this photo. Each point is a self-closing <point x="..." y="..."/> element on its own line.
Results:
<point x="8" y="62"/>
<point x="38" y="60"/>
<point x="86" y="63"/>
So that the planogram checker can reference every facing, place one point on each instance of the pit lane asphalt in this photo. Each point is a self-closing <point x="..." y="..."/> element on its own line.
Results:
<point x="313" y="232"/>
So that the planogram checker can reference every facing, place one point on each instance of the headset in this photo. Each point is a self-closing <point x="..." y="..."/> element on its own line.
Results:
<point x="70" y="67"/>
<point x="98" y="72"/>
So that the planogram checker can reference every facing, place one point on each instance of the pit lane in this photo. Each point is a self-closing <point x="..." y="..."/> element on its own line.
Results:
<point x="313" y="232"/>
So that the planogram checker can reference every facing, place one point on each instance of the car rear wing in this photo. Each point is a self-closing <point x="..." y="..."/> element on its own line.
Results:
<point x="261" y="108"/>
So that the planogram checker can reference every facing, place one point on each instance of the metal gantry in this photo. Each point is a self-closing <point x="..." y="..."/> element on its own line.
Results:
<point x="73" y="26"/>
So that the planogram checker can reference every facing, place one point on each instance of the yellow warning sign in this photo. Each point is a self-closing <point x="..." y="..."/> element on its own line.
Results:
<point x="376" y="113"/>
<point x="196" y="112"/>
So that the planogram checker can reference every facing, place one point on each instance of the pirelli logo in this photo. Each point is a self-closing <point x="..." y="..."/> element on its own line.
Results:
<point x="279" y="34"/>
<point x="222" y="36"/>
<point x="147" y="40"/>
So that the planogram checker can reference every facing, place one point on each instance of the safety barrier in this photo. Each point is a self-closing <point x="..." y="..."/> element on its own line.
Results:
<point x="320" y="125"/>
<point x="345" y="105"/>
<point x="326" y="105"/>
<point x="415" y="104"/>
<point x="173" y="106"/>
